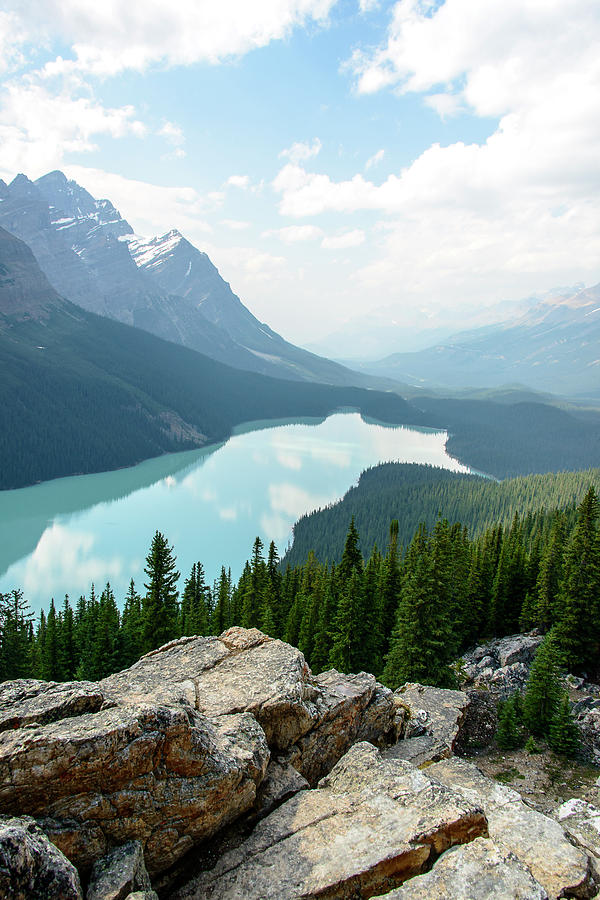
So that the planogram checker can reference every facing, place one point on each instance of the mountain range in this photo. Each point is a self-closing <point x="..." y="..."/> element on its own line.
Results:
<point x="553" y="346"/>
<point x="83" y="393"/>
<point x="164" y="285"/>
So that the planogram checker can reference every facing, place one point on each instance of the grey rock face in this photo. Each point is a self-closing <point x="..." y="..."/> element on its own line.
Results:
<point x="538" y="841"/>
<point x="370" y="825"/>
<point x="173" y="749"/>
<point x="119" y="874"/>
<point x="430" y="722"/>
<point x="478" y="871"/>
<point x="502" y="666"/>
<point x="31" y="867"/>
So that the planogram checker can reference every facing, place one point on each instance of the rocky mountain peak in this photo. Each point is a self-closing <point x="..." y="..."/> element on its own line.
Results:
<point x="67" y="196"/>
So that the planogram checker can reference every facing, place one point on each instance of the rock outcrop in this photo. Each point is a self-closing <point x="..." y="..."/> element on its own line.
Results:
<point x="429" y="722"/>
<point x="173" y="749"/>
<point x="539" y="842"/>
<point x="222" y="766"/>
<point x="478" y="871"/>
<point x="502" y="666"/>
<point x="31" y="867"/>
<point x="371" y="824"/>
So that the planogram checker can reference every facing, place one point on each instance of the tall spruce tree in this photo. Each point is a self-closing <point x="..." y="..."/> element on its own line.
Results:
<point x="578" y="629"/>
<point x="543" y="690"/>
<point x="159" y="605"/>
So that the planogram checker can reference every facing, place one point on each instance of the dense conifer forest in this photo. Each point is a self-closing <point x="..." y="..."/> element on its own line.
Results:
<point x="412" y="493"/>
<point x="403" y="613"/>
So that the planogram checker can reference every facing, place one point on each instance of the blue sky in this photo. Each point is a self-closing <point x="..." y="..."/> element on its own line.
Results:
<point x="410" y="161"/>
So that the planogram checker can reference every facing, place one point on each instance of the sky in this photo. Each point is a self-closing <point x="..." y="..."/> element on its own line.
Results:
<point x="336" y="159"/>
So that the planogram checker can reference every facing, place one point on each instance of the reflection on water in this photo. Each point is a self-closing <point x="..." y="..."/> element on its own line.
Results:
<point x="64" y="534"/>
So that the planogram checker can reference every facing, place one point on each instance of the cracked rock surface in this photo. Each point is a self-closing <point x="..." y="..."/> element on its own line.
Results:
<point x="171" y="750"/>
<point x="371" y="824"/>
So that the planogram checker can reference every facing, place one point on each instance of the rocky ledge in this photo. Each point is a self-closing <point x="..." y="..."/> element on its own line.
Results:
<point x="173" y="749"/>
<point x="221" y="768"/>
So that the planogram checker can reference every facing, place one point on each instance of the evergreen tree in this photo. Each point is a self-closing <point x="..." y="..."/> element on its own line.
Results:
<point x="160" y="602"/>
<point x="195" y="603"/>
<point x="509" y="735"/>
<point x="50" y="654"/>
<point x="221" y="620"/>
<point x="351" y="557"/>
<point x="422" y="642"/>
<point x="390" y="589"/>
<point x="346" y="646"/>
<point x="564" y="736"/>
<point x="16" y="660"/>
<point x="67" y="651"/>
<point x="578" y="630"/>
<point x="543" y="690"/>
<point x="131" y="627"/>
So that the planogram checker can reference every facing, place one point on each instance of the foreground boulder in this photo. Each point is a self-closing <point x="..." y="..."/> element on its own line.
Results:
<point x="478" y="871"/>
<point x="430" y="722"/>
<point x="31" y="867"/>
<point x="539" y="842"/>
<point x="171" y="750"/>
<point x="371" y="824"/>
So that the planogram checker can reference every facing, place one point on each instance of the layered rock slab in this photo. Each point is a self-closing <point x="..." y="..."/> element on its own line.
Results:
<point x="478" y="871"/>
<point x="174" y="748"/>
<point x="429" y="721"/>
<point x="370" y="825"/>
<point x="540" y="843"/>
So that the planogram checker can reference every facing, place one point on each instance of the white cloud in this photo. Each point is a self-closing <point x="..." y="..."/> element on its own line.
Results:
<point x="375" y="159"/>
<point x="497" y="218"/>
<point x="37" y="128"/>
<point x="293" y="234"/>
<point x="235" y="224"/>
<point x="300" y="152"/>
<point x="346" y="239"/>
<point x="239" y="181"/>
<point x="150" y="208"/>
<point x="172" y="133"/>
<point x="111" y="36"/>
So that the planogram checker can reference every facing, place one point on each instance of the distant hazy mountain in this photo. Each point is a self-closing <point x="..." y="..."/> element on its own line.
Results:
<point x="164" y="285"/>
<point x="407" y="328"/>
<point x="554" y="346"/>
<point x="83" y="393"/>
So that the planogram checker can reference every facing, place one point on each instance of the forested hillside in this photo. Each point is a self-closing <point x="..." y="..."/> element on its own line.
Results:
<point x="82" y="393"/>
<point x="507" y="439"/>
<point x="403" y="616"/>
<point x="413" y="493"/>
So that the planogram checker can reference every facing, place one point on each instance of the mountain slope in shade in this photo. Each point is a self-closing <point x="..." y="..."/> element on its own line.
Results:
<point x="165" y="286"/>
<point x="555" y="347"/>
<point x="83" y="393"/>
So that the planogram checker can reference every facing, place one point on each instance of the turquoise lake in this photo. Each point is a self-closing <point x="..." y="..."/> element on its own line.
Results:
<point x="61" y="535"/>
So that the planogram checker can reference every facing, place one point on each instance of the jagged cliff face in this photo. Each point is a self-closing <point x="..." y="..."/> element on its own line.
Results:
<point x="164" y="285"/>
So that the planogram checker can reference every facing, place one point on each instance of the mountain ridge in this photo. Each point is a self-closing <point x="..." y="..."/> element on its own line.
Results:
<point x="91" y="255"/>
<point x="82" y="393"/>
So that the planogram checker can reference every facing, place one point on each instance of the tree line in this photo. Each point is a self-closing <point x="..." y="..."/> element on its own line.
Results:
<point x="403" y="613"/>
